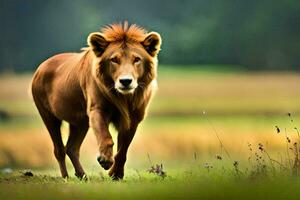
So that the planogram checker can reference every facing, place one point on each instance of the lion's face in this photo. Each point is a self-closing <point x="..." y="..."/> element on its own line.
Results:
<point x="125" y="66"/>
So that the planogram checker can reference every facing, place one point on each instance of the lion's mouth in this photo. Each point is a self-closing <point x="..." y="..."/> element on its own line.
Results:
<point x="126" y="90"/>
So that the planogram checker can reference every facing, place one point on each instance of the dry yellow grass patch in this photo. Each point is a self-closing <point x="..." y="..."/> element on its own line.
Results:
<point x="33" y="148"/>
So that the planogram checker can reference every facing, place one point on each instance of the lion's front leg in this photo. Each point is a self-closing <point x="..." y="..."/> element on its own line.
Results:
<point x="104" y="139"/>
<point x="124" y="140"/>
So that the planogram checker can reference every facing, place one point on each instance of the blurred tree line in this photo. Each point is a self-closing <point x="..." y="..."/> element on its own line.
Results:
<point x="253" y="34"/>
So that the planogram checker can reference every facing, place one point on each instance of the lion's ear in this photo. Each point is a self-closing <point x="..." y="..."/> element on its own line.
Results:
<point x="98" y="43"/>
<point x="152" y="43"/>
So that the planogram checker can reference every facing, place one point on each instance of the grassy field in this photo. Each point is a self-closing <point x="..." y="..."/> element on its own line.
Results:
<point x="215" y="132"/>
<point x="197" y="184"/>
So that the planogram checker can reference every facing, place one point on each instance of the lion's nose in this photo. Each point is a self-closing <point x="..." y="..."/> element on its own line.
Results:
<point x="125" y="81"/>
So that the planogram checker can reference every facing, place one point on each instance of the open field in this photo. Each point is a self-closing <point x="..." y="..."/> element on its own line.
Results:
<point x="192" y="112"/>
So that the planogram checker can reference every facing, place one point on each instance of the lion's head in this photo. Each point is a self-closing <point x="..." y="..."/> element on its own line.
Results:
<point x="125" y="57"/>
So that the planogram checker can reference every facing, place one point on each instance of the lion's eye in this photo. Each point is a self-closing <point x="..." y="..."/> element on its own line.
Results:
<point x="115" y="60"/>
<point x="136" y="60"/>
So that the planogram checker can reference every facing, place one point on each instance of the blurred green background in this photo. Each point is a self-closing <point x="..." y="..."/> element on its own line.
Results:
<point x="245" y="34"/>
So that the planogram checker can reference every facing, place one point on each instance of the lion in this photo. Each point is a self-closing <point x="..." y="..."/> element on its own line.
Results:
<point x="109" y="82"/>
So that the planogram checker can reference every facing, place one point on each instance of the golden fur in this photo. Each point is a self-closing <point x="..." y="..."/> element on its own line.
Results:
<point x="84" y="90"/>
<point x="124" y="33"/>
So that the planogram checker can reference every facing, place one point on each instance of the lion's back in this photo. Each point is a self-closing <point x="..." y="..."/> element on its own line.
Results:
<point x="48" y="68"/>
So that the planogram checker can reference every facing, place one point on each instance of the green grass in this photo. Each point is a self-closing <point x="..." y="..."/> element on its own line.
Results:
<point x="196" y="183"/>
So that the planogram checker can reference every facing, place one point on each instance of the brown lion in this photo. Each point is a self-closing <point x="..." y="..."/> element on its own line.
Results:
<point x="111" y="81"/>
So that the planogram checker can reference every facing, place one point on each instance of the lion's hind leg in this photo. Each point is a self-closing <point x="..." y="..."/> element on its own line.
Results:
<point x="53" y="125"/>
<point x="76" y="137"/>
